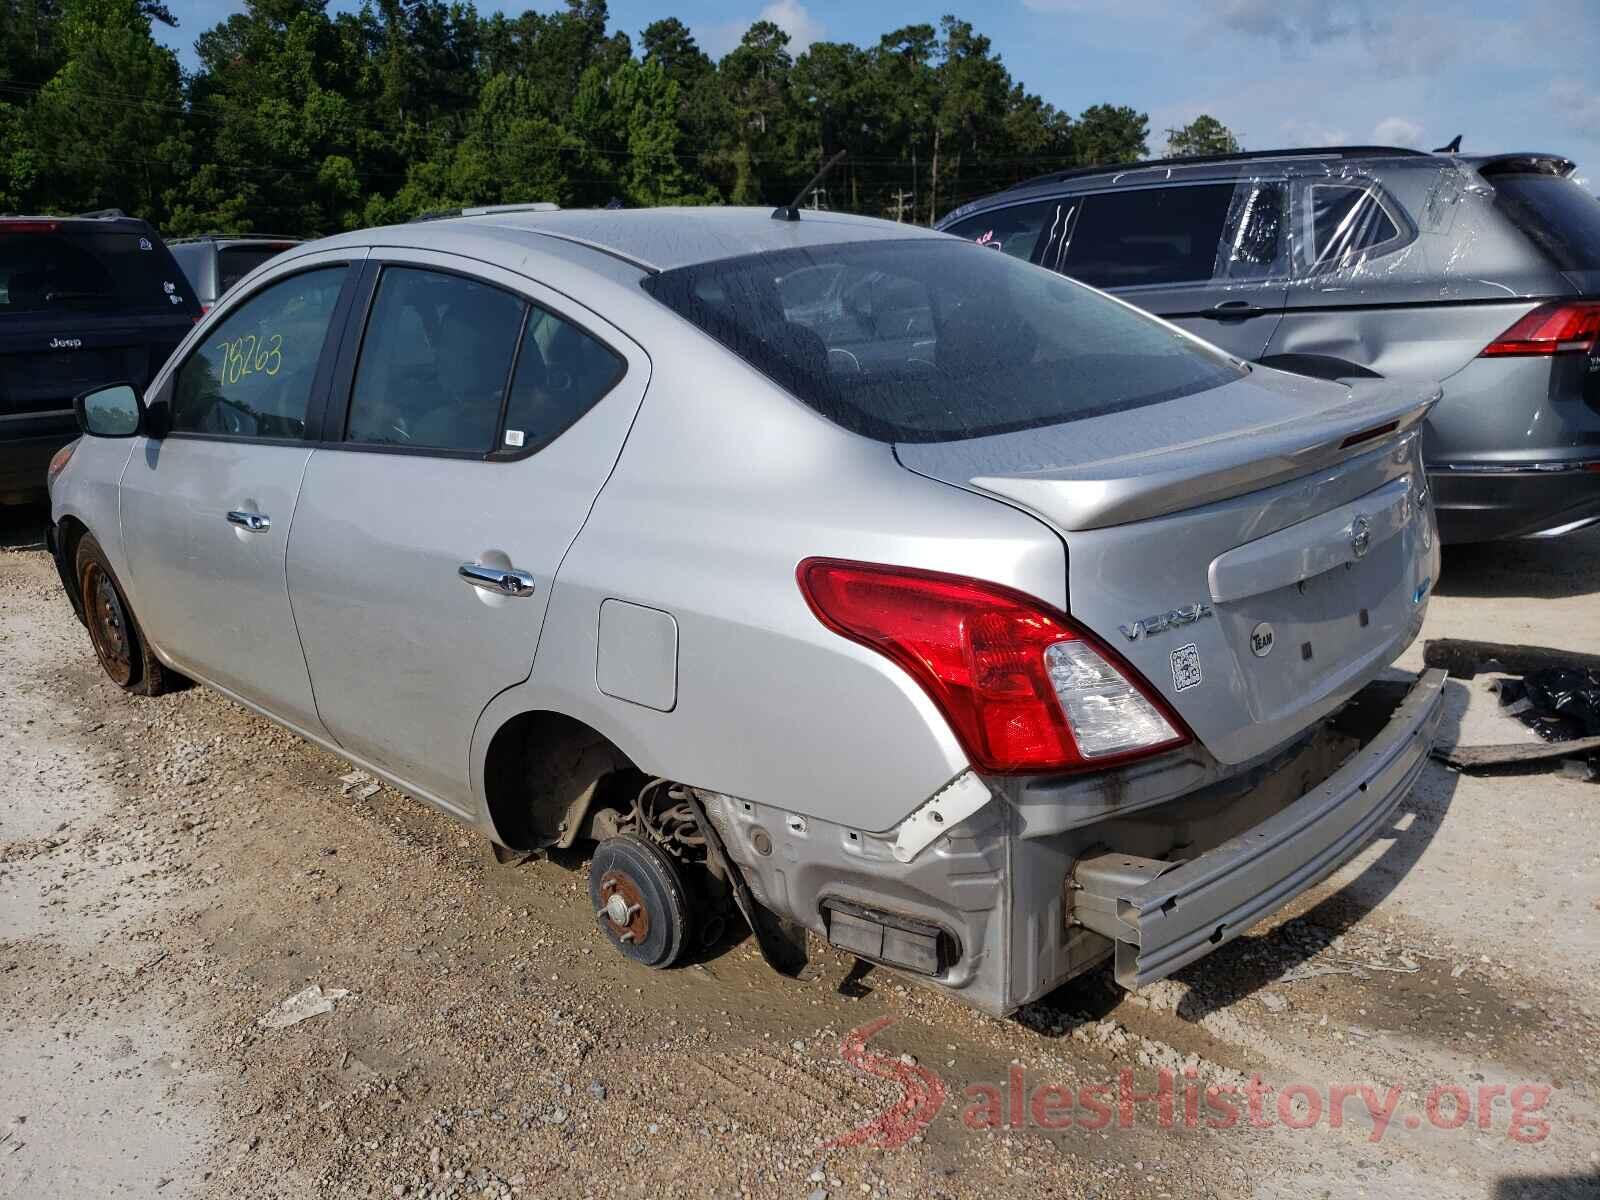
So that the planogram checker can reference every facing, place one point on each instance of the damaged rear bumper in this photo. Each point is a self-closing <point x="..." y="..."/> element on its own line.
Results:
<point x="1169" y="914"/>
<point x="1033" y="881"/>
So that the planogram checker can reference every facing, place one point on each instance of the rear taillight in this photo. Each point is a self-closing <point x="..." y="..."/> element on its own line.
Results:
<point x="1559" y="328"/>
<point x="27" y="226"/>
<point x="1022" y="687"/>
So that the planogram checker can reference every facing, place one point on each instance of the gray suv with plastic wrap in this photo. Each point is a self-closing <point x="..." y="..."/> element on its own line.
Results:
<point x="83" y="300"/>
<point x="1357" y="262"/>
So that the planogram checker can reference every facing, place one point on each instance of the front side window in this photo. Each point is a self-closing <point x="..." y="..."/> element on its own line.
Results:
<point x="1149" y="236"/>
<point x="252" y="375"/>
<point x="1013" y="230"/>
<point x="933" y="339"/>
<point x="435" y="362"/>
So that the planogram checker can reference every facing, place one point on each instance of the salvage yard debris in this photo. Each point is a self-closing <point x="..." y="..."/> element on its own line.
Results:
<point x="1464" y="658"/>
<point x="302" y="1006"/>
<point x="363" y="785"/>
<point x="1555" y="693"/>
<point x="1477" y="758"/>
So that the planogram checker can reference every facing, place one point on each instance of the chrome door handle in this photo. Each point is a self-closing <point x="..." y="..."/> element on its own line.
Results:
<point x="254" y="522"/>
<point x="504" y="581"/>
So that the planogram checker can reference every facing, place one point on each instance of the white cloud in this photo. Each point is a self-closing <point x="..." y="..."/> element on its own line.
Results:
<point x="791" y="17"/>
<point x="1398" y="131"/>
<point x="788" y="15"/>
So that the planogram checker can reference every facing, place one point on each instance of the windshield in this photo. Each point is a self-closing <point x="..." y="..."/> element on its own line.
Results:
<point x="1558" y="214"/>
<point x="69" y="271"/>
<point x="936" y="339"/>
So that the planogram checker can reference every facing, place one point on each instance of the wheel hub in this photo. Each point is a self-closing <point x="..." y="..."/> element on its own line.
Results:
<point x="624" y="908"/>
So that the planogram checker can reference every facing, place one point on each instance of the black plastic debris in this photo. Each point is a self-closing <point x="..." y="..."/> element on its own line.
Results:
<point x="1556" y="693"/>
<point x="1562" y="703"/>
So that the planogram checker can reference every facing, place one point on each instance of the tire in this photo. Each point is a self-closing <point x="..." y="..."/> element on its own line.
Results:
<point x="119" y="643"/>
<point x="630" y="874"/>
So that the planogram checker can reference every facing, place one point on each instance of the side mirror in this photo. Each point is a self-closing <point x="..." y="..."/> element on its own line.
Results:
<point x="113" y="411"/>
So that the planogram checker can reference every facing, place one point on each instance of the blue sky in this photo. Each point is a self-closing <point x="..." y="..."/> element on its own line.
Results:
<point x="1507" y="75"/>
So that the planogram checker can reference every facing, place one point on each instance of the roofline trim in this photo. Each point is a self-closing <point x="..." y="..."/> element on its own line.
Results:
<point x="1194" y="160"/>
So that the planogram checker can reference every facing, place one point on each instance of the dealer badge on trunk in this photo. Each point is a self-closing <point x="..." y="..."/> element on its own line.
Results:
<point x="1261" y="640"/>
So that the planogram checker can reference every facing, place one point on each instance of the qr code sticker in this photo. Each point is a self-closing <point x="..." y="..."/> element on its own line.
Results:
<point x="1186" y="667"/>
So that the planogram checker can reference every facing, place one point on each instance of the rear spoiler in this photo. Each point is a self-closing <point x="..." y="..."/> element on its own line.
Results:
<point x="1116" y="491"/>
<point x="1525" y="164"/>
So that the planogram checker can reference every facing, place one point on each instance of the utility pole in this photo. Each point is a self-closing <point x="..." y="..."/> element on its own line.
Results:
<point x="904" y="200"/>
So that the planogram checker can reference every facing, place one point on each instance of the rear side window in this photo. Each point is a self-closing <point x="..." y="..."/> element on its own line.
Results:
<point x="931" y="339"/>
<point x="561" y="374"/>
<point x="1149" y="236"/>
<point x="456" y="365"/>
<point x="1557" y="214"/>
<point x="1014" y="230"/>
<point x="1344" y="222"/>
<point x="235" y="262"/>
<point x="435" y="362"/>
<point x="54" y="268"/>
<point x="252" y="377"/>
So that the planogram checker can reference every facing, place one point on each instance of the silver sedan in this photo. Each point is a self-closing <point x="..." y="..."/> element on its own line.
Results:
<point x="834" y="573"/>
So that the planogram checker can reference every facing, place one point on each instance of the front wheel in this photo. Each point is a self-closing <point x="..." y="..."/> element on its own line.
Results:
<point x="118" y="642"/>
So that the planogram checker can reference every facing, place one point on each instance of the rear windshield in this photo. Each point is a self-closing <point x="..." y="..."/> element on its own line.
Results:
<point x="932" y="340"/>
<point x="1561" y="217"/>
<point x="68" y="271"/>
<point x="235" y="262"/>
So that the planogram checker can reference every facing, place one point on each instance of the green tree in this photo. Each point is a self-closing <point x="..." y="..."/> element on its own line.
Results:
<point x="1203" y="135"/>
<point x="1109" y="133"/>
<point x="118" y="94"/>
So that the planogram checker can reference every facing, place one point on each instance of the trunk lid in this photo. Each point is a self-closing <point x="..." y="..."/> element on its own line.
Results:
<point x="1257" y="553"/>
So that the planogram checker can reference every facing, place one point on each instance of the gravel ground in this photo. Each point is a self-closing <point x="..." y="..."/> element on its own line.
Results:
<point x="171" y="870"/>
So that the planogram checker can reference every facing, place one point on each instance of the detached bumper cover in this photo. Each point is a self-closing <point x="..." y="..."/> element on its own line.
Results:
<point x="1185" y="913"/>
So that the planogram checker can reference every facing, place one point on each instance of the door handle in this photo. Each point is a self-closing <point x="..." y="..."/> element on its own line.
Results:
<point x="1233" y="310"/>
<point x="503" y="581"/>
<point x="254" y="522"/>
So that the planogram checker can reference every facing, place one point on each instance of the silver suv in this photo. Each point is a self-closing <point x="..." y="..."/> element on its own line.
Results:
<point x="1367" y="262"/>
<point x="834" y="571"/>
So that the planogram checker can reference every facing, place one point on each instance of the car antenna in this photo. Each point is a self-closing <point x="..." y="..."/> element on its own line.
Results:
<point x="791" y="210"/>
<point x="1453" y="146"/>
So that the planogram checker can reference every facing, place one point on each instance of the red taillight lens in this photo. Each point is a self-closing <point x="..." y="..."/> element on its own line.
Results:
<point x="1550" y="329"/>
<point x="27" y="226"/>
<point x="983" y="653"/>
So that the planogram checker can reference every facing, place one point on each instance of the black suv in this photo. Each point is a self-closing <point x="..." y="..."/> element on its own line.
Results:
<point x="84" y="301"/>
<point x="214" y="262"/>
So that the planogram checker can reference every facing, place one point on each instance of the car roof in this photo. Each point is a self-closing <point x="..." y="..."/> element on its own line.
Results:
<point x="81" y="221"/>
<point x="1308" y="161"/>
<point x="653" y="239"/>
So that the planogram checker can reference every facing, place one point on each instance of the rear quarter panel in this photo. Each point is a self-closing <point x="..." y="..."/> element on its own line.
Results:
<point x="726" y="483"/>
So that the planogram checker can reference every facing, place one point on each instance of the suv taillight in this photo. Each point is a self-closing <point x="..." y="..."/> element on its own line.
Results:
<point x="1022" y="687"/>
<point x="1558" y="328"/>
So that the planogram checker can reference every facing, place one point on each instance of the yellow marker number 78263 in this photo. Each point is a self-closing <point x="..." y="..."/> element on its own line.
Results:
<point x="249" y="355"/>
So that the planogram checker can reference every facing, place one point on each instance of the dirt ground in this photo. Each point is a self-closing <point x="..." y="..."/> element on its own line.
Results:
<point x="171" y="870"/>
